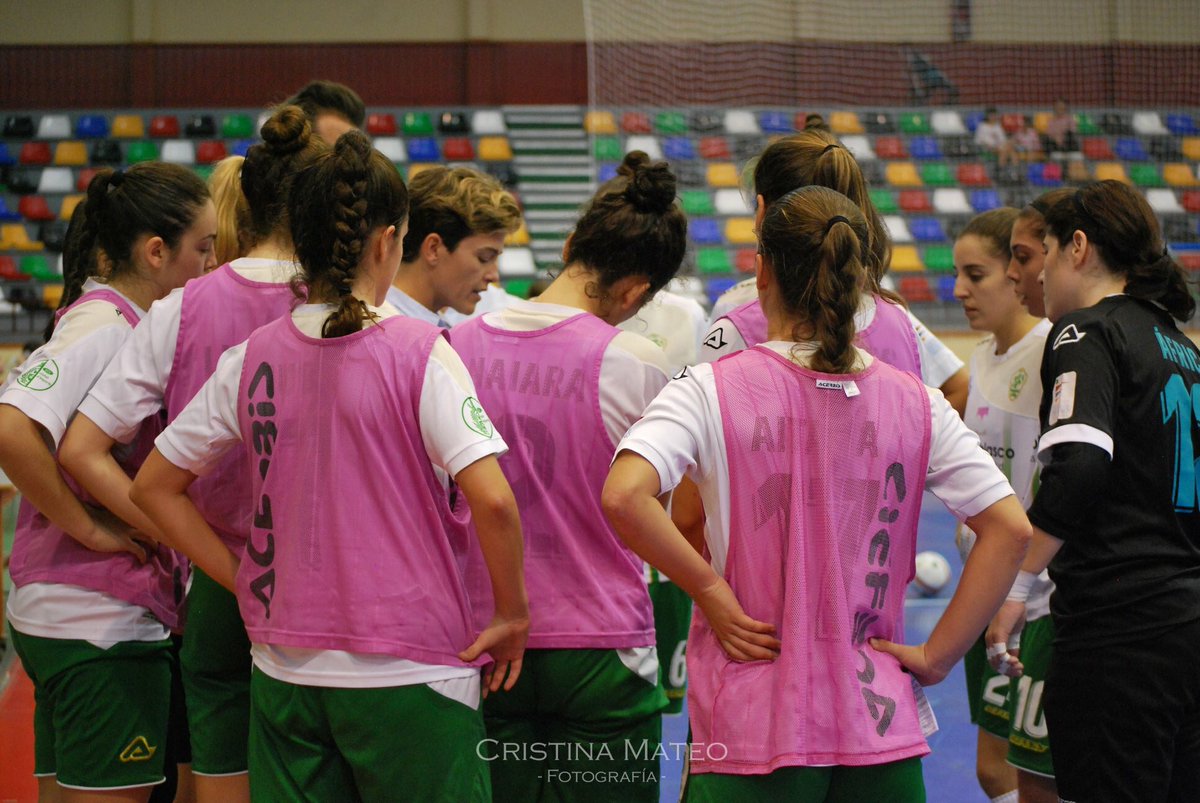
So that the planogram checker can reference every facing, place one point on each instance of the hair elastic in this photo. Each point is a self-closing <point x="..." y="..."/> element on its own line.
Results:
<point x="830" y="147"/>
<point x="834" y="220"/>
<point x="116" y="179"/>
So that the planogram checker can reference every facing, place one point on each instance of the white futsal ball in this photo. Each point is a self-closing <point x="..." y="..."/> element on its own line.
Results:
<point x="933" y="573"/>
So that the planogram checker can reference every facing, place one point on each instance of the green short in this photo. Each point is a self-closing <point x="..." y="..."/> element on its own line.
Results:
<point x="1029" y="740"/>
<point x="579" y="725"/>
<point x="312" y="743"/>
<point x="987" y="692"/>
<point x="672" y="617"/>
<point x="100" y="716"/>
<point x="896" y="782"/>
<point x="215" y="665"/>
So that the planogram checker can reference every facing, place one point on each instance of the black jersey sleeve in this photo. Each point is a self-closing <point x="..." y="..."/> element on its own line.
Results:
<point x="1080" y="384"/>
<point x="1067" y="495"/>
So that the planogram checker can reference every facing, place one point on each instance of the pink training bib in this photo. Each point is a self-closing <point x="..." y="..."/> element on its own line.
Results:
<point x="542" y="388"/>
<point x="826" y="474"/>
<point x="347" y="549"/>
<point x="218" y="311"/>
<point x="43" y="553"/>
<point x="889" y="336"/>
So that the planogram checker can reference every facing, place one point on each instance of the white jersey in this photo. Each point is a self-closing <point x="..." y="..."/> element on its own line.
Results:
<point x="208" y="427"/>
<point x="674" y="323"/>
<point x="681" y="433"/>
<point x="51" y="384"/>
<point x="731" y="299"/>
<point x="1002" y="408"/>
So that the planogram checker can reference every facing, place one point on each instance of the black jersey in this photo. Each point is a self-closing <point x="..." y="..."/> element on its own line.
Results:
<point x="1122" y="377"/>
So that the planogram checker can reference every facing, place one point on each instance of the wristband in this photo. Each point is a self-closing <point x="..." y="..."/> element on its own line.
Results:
<point x="1021" y="586"/>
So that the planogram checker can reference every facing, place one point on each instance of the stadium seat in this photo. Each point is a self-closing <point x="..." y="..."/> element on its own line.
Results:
<point x="704" y="231"/>
<point x="859" y="146"/>
<point x="730" y="202"/>
<point x="8" y="270"/>
<point x="237" y="126"/>
<point x="903" y="174"/>
<point x="7" y="215"/>
<point x="1041" y="122"/>
<point x="488" y="121"/>
<point x="775" y="122"/>
<point x="1148" y="124"/>
<point x="927" y="229"/>
<point x="1044" y="174"/>
<point x="70" y="153"/>
<point x="644" y="142"/>
<point x="898" y="228"/>
<point x="889" y="147"/>
<point x="91" y="126"/>
<point x="518" y="237"/>
<point x="516" y="262"/>
<point x="457" y="149"/>
<point x="1111" y="170"/>
<point x="1182" y="125"/>
<point x="1145" y="175"/>
<point x="128" y="126"/>
<point x="164" y="126"/>
<point x="1097" y="149"/>
<point x="1085" y="125"/>
<point x="714" y="148"/>
<point x="381" y="124"/>
<point x="697" y="202"/>
<point x="713" y="260"/>
<point x="915" y="201"/>
<point x="690" y="174"/>
<point x="6" y="157"/>
<point x="179" y="151"/>
<point x="741" y="122"/>
<point x="914" y="123"/>
<point x="924" y="148"/>
<point x="35" y="152"/>
<point x="973" y="174"/>
<point x="417" y="124"/>
<point x="713" y="288"/>
<point x="210" y="151"/>
<point x="740" y="231"/>
<point x="916" y="290"/>
<point x="879" y="122"/>
<point x="141" y="151"/>
<point x="53" y="234"/>
<point x="1190" y="146"/>
<point x="945" y="290"/>
<point x="722" y="174"/>
<point x="18" y="127"/>
<point x="947" y="123"/>
<point x="743" y="260"/>
<point x="1164" y="202"/>
<point x="846" y="122"/>
<point x="951" y="201"/>
<point x="884" y="200"/>
<point x="37" y="266"/>
<point x="606" y="173"/>
<point x="972" y="120"/>
<point x="415" y="169"/>
<point x="1115" y="124"/>
<point x="1130" y="149"/>
<point x="54" y="126"/>
<point x="200" y="125"/>
<point x="1012" y="122"/>
<point x="678" y="149"/>
<point x="747" y="148"/>
<point x="393" y="148"/>
<point x="937" y="174"/>
<point x="1164" y="149"/>
<point x="635" y="123"/>
<point x="423" y="149"/>
<point x="984" y="200"/>
<point x="34" y="208"/>
<point x="599" y="122"/>
<point x="705" y="121"/>
<point x="68" y="206"/>
<point x="906" y="258"/>
<point x="84" y="178"/>
<point x="668" y="123"/>
<point x="607" y="149"/>
<point x="22" y="182"/>
<point x="56" y="181"/>
<point x="1179" y="174"/>
<point x="495" y="149"/>
<point x="939" y="258"/>
<point x="14" y="237"/>
<point x="453" y="123"/>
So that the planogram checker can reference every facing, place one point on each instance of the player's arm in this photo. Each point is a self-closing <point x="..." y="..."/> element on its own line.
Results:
<point x="955" y="390"/>
<point x="687" y="513"/>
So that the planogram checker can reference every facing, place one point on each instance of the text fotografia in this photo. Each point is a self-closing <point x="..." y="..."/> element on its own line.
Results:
<point x="643" y="750"/>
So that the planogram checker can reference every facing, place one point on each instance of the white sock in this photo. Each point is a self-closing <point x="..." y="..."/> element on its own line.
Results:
<point x="1007" y="797"/>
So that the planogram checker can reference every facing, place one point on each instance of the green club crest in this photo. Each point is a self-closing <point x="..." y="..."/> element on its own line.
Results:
<point x="42" y="376"/>
<point x="475" y="418"/>
<point x="1017" y="384"/>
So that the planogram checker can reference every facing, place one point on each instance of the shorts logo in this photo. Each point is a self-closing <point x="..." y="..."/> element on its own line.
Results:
<point x="475" y="418"/>
<point x="1068" y="336"/>
<point x="137" y="750"/>
<point x="42" y="376"/>
<point x="717" y="339"/>
<point x="1017" y="384"/>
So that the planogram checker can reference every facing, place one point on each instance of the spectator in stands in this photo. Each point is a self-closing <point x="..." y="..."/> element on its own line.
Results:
<point x="990" y="137"/>
<point x="1026" y="143"/>
<point x="1061" y="130"/>
<point x="333" y="108"/>
<point x="926" y="79"/>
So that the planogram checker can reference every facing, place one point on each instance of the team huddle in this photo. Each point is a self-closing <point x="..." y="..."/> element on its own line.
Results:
<point x="313" y="508"/>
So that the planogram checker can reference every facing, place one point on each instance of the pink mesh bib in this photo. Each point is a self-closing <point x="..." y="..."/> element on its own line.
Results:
<point x="542" y="388"/>
<point x="826" y="475"/>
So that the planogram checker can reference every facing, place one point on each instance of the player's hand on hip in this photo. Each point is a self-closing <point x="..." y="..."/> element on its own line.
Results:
<point x="504" y="640"/>
<point x="915" y="659"/>
<point x="110" y="534"/>
<point x="742" y="638"/>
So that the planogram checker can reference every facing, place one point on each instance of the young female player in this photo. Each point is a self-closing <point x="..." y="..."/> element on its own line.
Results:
<point x="92" y="608"/>
<point x="1115" y="516"/>
<point x="1002" y="407"/>
<point x="366" y="681"/>
<point x="886" y="329"/>
<point x="160" y="369"/>
<point x="811" y="457"/>
<point x="225" y="184"/>
<point x="1028" y="252"/>
<point x="457" y="225"/>
<point x="565" y="384"/>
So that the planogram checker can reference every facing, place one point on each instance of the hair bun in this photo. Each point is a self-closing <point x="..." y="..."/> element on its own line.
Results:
<point x="651" y="185"/>
<point x="353" y="146"/>
<point x="287" y="131"/>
